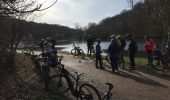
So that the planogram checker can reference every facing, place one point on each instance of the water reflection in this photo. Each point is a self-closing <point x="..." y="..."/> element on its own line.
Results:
<point x="104" y="45"/>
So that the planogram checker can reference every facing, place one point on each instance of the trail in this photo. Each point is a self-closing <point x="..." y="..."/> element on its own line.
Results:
<point x="128" y="85"/>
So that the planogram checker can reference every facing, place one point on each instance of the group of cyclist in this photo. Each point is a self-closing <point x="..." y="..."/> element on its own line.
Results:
<point x="150" y="50"/>
<point x="116" y="50"/>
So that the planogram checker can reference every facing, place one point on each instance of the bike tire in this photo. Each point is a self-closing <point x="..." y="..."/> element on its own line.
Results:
<point x="159" y="67"/>
<point x="74" y="52"/>
<point x="89" y="96"/>
<point x="105" y="97"/>
<point x="57" y="84"/>
<point x="82" y="54"/>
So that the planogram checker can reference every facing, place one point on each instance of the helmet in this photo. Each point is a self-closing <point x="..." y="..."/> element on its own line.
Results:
<point x="118" y="36"/>
<point x="113" y="36"/>
<point x="128" y="35"/>
<point x="48" y="38"/>
<point x="146" y="36"/>
<point x="98" y="39"/>
<point x="42" y="39"/>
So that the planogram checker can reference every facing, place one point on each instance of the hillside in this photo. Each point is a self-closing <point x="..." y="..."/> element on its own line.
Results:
<point x="148" y="17"/>
<point x="36" y="31"/>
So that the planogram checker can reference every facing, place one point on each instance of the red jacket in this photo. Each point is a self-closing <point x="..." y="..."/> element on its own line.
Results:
<point x="149" y="45"/>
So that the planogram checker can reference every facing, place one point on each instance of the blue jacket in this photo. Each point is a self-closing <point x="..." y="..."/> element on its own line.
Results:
<point x="113" y="50"/>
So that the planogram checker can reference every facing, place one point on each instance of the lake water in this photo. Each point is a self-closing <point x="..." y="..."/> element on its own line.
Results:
<point x="104" y="46"/>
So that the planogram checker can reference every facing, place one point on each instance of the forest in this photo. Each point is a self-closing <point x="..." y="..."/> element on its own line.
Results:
<point x="145" y="17"/>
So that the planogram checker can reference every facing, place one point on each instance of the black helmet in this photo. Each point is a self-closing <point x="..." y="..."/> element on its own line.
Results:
<point x="113" y="36"/>
<point x="147" y="36"/>
<point x="128" y="36"/>
<point x="98" y="40"/>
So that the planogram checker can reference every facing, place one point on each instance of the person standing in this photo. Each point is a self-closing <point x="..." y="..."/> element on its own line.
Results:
<point x="98" y="55"/>
<point x="90" y="43"/>
<point x="114" y="53"/>
<point x="53" y="42"/>
<point x="158" y="53"/>
<point x="149" y="45"/>
<point x="132" y="51"/>
<point x="41" y="45"/>
<point x="122" y="47"/>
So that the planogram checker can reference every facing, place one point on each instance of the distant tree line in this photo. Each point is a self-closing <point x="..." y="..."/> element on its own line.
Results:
<point x="12" y="26"/>
<point x="149" y="17"/>
<point x="38" y="31"/>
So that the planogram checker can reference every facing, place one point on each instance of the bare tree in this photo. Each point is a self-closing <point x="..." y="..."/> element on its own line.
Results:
<point x="132" y="4"/>
<point x="12" y="12"/>
<point x="161" y="14"/>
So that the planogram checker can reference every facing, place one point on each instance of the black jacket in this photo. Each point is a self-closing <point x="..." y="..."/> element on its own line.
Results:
<point x="133" y="47"/>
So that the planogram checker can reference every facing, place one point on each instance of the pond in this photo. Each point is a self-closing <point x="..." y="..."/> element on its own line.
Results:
<point x="104" y="45"/>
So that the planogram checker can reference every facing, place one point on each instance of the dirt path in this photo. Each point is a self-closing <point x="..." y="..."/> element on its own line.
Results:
<point x="128" y="85"/>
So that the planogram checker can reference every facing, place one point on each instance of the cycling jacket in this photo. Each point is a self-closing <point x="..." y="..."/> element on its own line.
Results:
<point x="149" y="45"/>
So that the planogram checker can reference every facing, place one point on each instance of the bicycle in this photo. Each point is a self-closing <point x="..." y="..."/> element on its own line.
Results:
<point x="82" y="91"/>
<point x="42" y="65"/>
<point x="26" y="52"/>
<point x="76" y="51"/>
<point x="108" y="94"/>
<point x="164" y="64"/>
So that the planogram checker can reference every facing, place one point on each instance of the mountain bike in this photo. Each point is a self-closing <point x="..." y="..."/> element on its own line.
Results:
<point x="164" y="64"/>
<point x="108" y="93"/>
<point x="82" y="91"/>
<point x="27" y="52"/>
<point x="76" y="51"/>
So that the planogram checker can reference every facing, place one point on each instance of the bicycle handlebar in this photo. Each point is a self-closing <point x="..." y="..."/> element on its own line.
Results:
<point x="78" y="74"/>
<point x="110" y="86"/>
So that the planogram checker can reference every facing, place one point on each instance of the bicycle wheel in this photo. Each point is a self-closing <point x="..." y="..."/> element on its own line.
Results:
<point x="158" y="66"/>
<point x="108" y="59"/>
<point x="82" y="53"/>
<point x="89" y="92"/>
<point x="57" y="84"/>
<point x="74" y="52"/>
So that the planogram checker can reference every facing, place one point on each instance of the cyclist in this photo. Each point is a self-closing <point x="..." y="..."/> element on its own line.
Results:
<point x="121" y="48"/>
<point x="90" y="42"/>
<point x="168" y="47"/>
<point x="98" y="54"/>
<point x="158" y="53"/>
<point x="149" y="45"/>
<point x="114" y="53"/>
<point x="47" y="47"/>
<point x="132" y="51"/>
<point x="42" y="45"/>
<point x="53" y="42"/>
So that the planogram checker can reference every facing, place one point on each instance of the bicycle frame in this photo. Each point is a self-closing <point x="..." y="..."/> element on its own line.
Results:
<point x="64" y="73"/>
<point x="108" y="94"/>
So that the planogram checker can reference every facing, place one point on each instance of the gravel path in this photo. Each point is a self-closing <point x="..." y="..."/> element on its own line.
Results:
<point x="128" y="85"/>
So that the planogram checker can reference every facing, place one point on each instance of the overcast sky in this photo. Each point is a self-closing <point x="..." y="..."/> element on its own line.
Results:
<point x="69" y="12"/>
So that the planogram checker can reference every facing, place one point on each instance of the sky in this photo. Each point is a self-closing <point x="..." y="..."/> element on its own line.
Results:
<point x="71" y="12"/>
